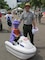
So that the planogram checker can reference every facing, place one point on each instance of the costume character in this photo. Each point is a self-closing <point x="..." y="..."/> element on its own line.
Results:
<point x="15" y="34"/>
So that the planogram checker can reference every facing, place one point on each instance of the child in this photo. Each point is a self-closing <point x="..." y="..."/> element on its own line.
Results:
<point x="15" y="34"/>
<point x="9" y="20"/>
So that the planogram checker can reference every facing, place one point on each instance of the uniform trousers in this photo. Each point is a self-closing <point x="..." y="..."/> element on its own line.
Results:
<point x="27" y="29"/>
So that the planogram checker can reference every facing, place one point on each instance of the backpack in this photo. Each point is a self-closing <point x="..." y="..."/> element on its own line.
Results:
<point x="9" y="21"/>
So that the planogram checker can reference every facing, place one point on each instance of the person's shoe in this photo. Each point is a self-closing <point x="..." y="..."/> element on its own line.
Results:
<point x="33" y="43"/>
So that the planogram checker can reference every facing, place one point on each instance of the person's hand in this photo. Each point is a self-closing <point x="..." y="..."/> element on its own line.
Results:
<point x="19" y="20"/>
<point x="34" y="30"/>
<point x="34" y="27"/>
<point x="17" y="35"/>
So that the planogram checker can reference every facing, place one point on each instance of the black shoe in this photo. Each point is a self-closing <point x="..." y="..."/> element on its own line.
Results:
<point x="33" y="43"/>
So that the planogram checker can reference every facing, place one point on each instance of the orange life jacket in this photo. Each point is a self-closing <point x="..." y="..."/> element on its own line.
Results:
<point x="16" y="31"/>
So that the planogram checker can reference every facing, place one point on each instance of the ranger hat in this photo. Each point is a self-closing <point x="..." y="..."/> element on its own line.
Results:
<point x="27" y="4"/>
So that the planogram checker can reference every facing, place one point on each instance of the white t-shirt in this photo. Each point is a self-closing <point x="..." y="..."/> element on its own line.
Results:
<point x="10" y="15"/>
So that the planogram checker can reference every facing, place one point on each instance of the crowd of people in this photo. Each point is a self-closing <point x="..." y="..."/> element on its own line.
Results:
<point x="38" y="14"/>
<point x="29" y="21"/>
<point x="0" y="22"/>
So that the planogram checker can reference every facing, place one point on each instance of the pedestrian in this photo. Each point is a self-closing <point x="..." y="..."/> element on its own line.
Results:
<point x="1" y="26"/>
<point x="36" y="15"/>
<point x="0" y="14"/>
<point x="28" y="19"/>
<point x="39" y="16"/>
<point x="9" y="17"/>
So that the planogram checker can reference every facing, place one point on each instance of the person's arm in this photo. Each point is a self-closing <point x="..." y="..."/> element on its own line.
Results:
<point x="12" y="37"/>
<point x="5" y="16"/>
<point x="34" y="22"/>
<point x="12" y="16"/>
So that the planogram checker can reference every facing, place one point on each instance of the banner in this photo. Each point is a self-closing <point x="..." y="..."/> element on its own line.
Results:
<point x="23" y="0"/>
<point x="18" y="0"/>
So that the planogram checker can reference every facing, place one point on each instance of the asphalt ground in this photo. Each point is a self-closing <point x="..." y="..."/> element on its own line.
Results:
<point x="39" y="41"/>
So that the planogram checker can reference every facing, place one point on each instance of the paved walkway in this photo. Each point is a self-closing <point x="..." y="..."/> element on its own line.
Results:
<point x="39" y="41"/>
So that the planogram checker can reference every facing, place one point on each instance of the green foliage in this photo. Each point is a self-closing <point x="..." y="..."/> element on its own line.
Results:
<point x="21" y="5"/>
<point x="36" y="3"/>
<point x="3" y="5"/>
<point x="43" y="3"/>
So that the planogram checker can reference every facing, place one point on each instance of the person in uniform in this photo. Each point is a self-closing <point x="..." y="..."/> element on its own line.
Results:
<point x="28" y="19"/>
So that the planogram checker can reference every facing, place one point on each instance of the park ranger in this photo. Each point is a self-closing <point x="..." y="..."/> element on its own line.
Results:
<point x="28" y="19"/>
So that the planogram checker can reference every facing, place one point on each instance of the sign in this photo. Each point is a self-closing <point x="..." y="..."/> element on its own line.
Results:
<point x="18" y="0"/>
<point x="23" y="0"/>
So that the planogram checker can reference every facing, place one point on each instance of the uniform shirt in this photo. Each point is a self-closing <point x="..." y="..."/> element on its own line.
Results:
<point x="27" y="17"/>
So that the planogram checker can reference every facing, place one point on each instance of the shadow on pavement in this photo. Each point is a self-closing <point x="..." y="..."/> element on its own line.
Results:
<point x="42" y="23"/>
<point x="5" y="31"/>
<point x="43" y="47"/>
<point x="36" y="57"/>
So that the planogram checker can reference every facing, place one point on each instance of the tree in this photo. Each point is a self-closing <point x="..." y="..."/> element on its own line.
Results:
<point x="3" y="5"/>
<point x="43" y="3"/>
<point x="21" y="5"/>
<point x="36" y="3"/>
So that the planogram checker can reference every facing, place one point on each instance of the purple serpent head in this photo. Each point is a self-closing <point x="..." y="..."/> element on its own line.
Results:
<point x="16" y="23"/>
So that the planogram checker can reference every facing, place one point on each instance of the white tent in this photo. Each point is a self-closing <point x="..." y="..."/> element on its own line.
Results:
<point x="19" y="8"/>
